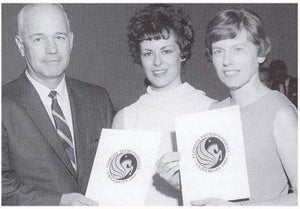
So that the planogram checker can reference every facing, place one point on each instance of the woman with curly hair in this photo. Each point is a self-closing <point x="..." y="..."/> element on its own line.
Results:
<point x="160" y="39"/>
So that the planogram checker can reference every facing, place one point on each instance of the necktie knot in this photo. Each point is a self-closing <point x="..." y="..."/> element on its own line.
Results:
<point x="52" y="94"/>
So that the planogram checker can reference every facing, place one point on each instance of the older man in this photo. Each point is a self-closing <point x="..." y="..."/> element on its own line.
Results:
<point x="50" y="123"/>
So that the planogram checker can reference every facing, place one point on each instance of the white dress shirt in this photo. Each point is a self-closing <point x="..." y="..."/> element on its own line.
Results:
<point x="62" y="99"/>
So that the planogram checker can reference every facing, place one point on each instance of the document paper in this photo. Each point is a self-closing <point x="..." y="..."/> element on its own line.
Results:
<point x="123" y="167"/>
<point x="212" y="154"/>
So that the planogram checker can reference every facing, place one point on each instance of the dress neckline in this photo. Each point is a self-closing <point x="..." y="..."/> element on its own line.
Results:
<point x="253" y="102"/>
<point x="177" y="95"/>
<point x="175" y="90"/>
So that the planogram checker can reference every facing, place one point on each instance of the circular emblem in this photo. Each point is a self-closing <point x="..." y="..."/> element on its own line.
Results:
<point x="210" y="152"/>
<point x="122" y="166"/>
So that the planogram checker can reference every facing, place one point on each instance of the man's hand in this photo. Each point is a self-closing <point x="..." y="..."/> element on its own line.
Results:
<point x="168" y="168"/>
<point x="72" y="199"/>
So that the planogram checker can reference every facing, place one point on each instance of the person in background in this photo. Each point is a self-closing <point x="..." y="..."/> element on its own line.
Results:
<point x="160" y="39"/>
<point x="51" y="123"/>
<point x="265" y="76"/>
<point x="237" y="44"/>
<point x="282" y="82"/>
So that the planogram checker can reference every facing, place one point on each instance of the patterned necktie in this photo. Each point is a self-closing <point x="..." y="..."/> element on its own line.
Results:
<point x="62" y="128"/>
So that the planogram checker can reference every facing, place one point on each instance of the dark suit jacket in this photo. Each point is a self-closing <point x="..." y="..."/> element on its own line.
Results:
<point x="35" y="168"/>
<point x="293" y="91"/>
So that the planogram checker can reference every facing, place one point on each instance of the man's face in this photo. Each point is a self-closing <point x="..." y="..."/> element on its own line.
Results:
<point x="45" y="42"/>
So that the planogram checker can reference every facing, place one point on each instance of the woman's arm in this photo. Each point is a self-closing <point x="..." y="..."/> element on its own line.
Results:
<point x="286" y="132"/>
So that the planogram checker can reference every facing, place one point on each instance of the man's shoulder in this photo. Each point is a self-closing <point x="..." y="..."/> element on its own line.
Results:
<point x="87" y="92"/>
<point x="293" y="79"/>
<point x="11" y="89"/>
<point x="293" y="83"/>
<point x="94" y="96"/>
<point x="83" y="86"/>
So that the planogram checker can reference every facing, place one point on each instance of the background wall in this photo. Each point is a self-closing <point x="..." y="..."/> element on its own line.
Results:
<point x="100" y="53"/>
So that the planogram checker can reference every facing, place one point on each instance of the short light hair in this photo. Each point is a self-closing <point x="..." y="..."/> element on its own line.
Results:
<point x="228" y="24"/>
<point x="27" y="7"/>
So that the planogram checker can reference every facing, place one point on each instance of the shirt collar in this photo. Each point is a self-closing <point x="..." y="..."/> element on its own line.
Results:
<point x="43" y="90"/>
<point x="61" y="89"/>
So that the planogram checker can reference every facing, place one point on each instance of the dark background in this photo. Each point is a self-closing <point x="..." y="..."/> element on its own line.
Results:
<point x="100" y="53"/>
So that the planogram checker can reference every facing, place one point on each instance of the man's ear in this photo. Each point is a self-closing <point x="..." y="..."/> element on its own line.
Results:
<point x="261" y="60"/>
<point x="20" y="45"/>
<point x="71" y="36"/>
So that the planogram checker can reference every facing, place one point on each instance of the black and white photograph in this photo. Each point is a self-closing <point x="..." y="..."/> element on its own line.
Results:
<point x="149" y="104"/>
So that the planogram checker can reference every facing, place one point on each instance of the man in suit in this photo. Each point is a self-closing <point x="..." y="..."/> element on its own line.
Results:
<point x="282" y="82"/>
<point x="51" y="123"/>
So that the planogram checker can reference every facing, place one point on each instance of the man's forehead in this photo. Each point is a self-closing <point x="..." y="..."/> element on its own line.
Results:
<point x="38" y="9"/>
<point x="44" y="17"/>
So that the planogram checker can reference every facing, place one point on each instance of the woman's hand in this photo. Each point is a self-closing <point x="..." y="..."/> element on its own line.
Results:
<point x="168" y="168"/>
<point x="212" y="202"/>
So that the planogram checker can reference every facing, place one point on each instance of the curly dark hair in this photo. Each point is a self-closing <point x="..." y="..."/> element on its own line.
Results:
<point x="157" y="21"/>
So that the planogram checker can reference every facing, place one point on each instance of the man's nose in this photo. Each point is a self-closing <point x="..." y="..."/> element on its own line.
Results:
<point x="51" y="47"/>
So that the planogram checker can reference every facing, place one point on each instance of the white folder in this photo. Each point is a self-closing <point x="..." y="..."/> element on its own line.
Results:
<point x="213" y="162"/>
<point x="123" y="167"/>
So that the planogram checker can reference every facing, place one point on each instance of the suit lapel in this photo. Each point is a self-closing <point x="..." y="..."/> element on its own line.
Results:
<point x="34" y="107"/>
<point x="80" y="126"/>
